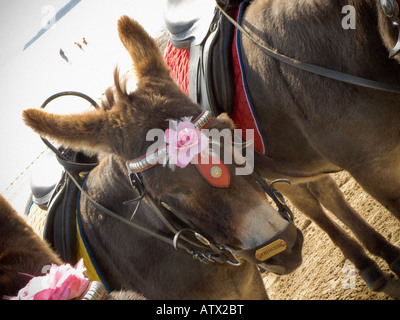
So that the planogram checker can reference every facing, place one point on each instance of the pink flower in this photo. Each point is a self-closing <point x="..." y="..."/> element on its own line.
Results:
<point x="184" y="143"/>
<point x="60" y="283"/>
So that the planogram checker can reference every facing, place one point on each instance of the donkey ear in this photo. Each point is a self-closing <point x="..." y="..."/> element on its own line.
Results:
<point x="86" y="132"/>
<point x="146" y="55"/>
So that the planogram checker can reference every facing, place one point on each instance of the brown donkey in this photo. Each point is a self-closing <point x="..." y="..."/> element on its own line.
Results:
<point x="315" y="125"/>
<point x="237" y="216"/>
<point x="23" y="254"/>
<point x="21" y="251"/>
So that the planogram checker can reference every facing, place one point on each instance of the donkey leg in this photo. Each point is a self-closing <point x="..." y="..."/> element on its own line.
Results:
<point x="330" y="196"/>
<point x="381" y="180"/>
<point x="302" y="198"/>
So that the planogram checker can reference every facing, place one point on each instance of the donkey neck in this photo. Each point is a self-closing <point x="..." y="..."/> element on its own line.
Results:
<point x="108" y="183"/>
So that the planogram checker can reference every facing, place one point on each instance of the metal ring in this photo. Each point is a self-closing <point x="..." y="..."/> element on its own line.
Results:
<point x="390" y="8"/>
<point x="96" y="291"/>
<point x="178" y="235"/>
<point x="58" y="95"/>
<point x="70" y="93"/>
<point x="231" y="251"/>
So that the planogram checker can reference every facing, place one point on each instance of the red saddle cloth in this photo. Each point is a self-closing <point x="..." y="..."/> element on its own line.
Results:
<point x="178" y="60"/>
<point x="243" y="113"/>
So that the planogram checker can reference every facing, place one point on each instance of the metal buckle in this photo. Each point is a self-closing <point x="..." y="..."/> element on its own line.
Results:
<point x="284" y="209"/>
<point x="136" y="185"/>
<point x="391" y="9"/>
<point x="202" y="257"/>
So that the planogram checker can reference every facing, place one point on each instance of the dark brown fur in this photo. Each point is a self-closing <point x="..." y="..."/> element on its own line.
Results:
<point x="313" y="124"/>
<point x="239" y="216"/>
<point x="24" y="253"/>
<point x="21" y="251"/>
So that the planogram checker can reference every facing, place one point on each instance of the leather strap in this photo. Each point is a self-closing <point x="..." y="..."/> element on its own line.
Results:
<point x="213" y="170"/>
<point x="324" y="72"/>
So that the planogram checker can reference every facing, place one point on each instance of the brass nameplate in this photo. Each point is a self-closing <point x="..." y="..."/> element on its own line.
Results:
<point x="271" y="250"/>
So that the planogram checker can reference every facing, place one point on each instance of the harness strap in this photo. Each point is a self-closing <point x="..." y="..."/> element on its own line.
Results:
<point x="194" y="251"/>
<point x="105" y="210"/>
<point x="321" y="71"/>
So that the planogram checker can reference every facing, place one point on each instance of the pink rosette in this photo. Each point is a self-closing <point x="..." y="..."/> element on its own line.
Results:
<point x="60" y="283"/>
<point x="184" y="143"/>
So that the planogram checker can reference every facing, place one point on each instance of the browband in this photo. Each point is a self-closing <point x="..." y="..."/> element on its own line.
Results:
<point x="210" y="168"/>
<point x="150" y="160"/>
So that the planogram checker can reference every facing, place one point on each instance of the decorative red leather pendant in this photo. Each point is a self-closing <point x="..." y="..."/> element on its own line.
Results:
<point x="213" y="170"/>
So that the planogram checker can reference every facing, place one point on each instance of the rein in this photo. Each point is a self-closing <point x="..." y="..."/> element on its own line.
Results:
<point x="321" y="71"/>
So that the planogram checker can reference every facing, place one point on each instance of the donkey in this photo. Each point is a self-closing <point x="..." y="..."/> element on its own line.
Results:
<point x="238" y="216"/>
<point x="314" y="125"/>
<point x="21" y="251"/>
<point x="24" y="255"/>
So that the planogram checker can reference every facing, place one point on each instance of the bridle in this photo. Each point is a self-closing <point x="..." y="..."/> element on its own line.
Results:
<point x="218" y="253"/>
<point x="390" y="8"/>
<point x="185" y="235"/>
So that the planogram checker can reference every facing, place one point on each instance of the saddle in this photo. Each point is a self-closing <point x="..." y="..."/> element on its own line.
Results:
<point x="197" y="25"/>
<point x="55" y="196"/>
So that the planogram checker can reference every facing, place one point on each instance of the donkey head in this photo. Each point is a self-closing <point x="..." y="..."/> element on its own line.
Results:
<point x="239" y="216"/>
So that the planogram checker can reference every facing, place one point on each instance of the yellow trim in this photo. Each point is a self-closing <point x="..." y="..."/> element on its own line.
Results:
<point x="37" y="218"/>
<point x="82" y="253"/>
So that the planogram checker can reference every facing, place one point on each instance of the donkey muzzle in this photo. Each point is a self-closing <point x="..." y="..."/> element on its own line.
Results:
<point x="281" y="242"/>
